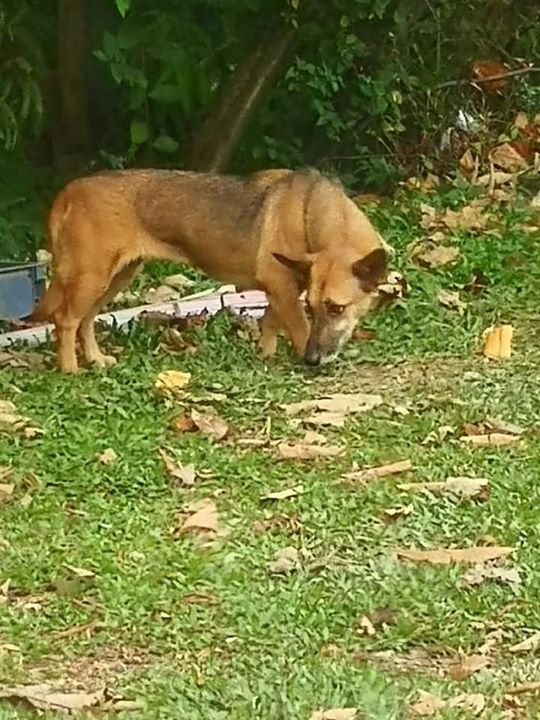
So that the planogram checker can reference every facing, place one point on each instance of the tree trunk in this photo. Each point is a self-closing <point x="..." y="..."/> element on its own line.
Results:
<point x="71" y="127"/>
<point x="222" y="131"/>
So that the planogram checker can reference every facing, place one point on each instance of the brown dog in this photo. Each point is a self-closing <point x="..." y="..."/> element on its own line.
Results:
<point x="279" y="231"/>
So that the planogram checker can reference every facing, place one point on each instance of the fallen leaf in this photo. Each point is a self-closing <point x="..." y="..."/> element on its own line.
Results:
<point x="467" y="162"/>
<point x="446" y="556"/>
<point x="438" y="435"/>
<point x="497" y="177"/>
<point x="374" y="473"/>
<point x="394" y="285"/>
<point x="172" y="380"/>
<point x="5" y="491"/>
<point x="178" y="281"/>
<point x="367" y="627"/>
<point x="531" y="644"/>
<point x="392" y="514"/>
<point x="340" y="403"/>
<point x="307" y="451"/>
<point x="493" y="439"/>
<point x="479" y="573"/>
<point x="45" y="697"/>
<point x="184" y="473"/>
<point x="461" y="486"/>
<point x="435" y="257"/>
<point x="79" y="572"/>
<point x="210" y="423"/>
<point x="469" y="217"/>
<point x="468" y="666"/>
<point x="284" y="494"/>
<point x="277" y="522"/>
<point x="523" y="688"/>
<point x="5" y="472"/>
<point x="503" y="426"/>
<point x="11" y="420"/>
<point x="161" y="294"/>
<point x="182" y="423"/>
<point x="427" y="704"/>
<point x="205" y="519"/>
<point x="450" y="299"/>
<point x="474" y="702"/>
<point x="535" y="202"/>
<point x="284" y="562"/>
<point x="107" y="457"/>
<point x="507" y="158"/>
<point x="498" y="342"/>
<point x="335" y="714"/>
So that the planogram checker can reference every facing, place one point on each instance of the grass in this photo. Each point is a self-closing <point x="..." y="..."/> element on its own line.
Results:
<point x="205" y="632"/>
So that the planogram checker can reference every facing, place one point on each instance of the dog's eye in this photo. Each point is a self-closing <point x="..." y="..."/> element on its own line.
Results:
<point x="334" y="309"/>
<point x="309" y="309"/>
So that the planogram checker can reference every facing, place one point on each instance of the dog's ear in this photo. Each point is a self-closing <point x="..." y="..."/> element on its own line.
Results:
<point x="370" y="269"/>
<point x="301" y="266"/>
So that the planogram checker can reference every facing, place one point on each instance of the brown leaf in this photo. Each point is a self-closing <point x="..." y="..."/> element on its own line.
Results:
<point x="493" y="439"/>
<point x="277" y="522"/>
<point x="479" y="573"/>
<point x="427" y="704"/>
<point x="460" y="486"/>
<point x="205" y="518"/>
<point x="184" y="473"/>
<point x="483" y="69"/>
<point x="5" y="472"/>
<point x="450" y="299"/>
<point x="307" y="451"/>
<point x="11" y="420"/>
<point x="508" y="158"/>
<point x="392" y="514"/>
<point x="531" y="644"/>
<point x="171" y="381"/>
<point x="374" y="473"/>
<point x="523" y="688"/>
<point x="503" y="426"/>
<point x="467" y="162"/>
<point x="468" y="666"/>
<point x="178" y="282"/>
<point x="45" y="697"/>
<point x="438" y="256"/>
<point x="161" y="294"/>
<point x="285" y="561"/>
<point x="394" y="285"/>
<point x="335" y="714"/>
<point x="79" y="572"/>
<point x="498" y="342"/>
<point x="107" y="457"/>
<point x="210" y="423"/>
<point x="5" y="491"/>
<point x="446" y="556"/>
<point x="284" y="494"/>
<point x="340" y="403"/>
<point x="469" y="217"/>
<point x="182" y="423"/>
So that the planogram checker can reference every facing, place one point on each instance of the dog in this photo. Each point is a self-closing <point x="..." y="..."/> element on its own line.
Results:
<point x="281" y="231"/>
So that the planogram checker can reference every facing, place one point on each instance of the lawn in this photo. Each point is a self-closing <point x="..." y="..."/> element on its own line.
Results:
<point x="196" y="625"/>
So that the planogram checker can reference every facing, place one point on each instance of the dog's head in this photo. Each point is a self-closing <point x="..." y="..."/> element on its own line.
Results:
<point x="341" y="288"/>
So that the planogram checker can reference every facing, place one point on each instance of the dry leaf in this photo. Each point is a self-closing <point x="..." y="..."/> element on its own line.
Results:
<point x="340" y="403"/>
<point x="450" y="299"/>
<point x="392" y="514"/>
<point x="523" y="688"/>
<point x="210" y="423"/>
<point x="307" y="451"/>
<point x="367" y="627"/>
<point x="468" y="667"/>
<point x="461" y="486"/>
<point x="11" y="420"/>
<point x="507" y="158"/>
<point x="535" y="202"/>
<point x="495" y="178"/>
<point x="381" y="471"/>
<point x="205" y="518"/>
<point x="531" y="644"/>
<point x="493" y="439"/>
<point x="182" y="423"/>
<point x="79" y="572"/>
<point x="45" y="697"/>
<point x="5" y="491"/>
<point x="446" y="556"/>
<point x="284" y="562"/>
<point x="474" y="702"/>
<point x="479" y="573"/>
<point x="469" y="217"/>
<point x="335" y="714"/>
<point x="435" y="257"/>
<point x="184" y="473"/>
<point x="503" y="426"/>
<point x="394" y="285"/>
<point x="107" y="457"/>
<point x="161" y="294"/>
<point x="427" y="704"/>
<point x="5" y="472"/>
<point x="178" y="281"/>
<point x="284" y="494"/>
<point x="467" y="162"/>
<point x="172" y="380"/>
<point x="498" y="342"/>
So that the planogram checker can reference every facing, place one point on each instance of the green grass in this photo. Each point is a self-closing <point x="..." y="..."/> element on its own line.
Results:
<point x="256" y="645"/>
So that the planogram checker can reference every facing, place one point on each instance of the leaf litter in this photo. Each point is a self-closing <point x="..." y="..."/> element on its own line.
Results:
<point x="203" y="518"/>
<point x="333" y="408"/>
<point x="335" y="714"/>
<point x="445" y="556"/>
<point x="285" y="561"/>
<point x="172" y="381"/>
<point x="480" y="573"/>
<point x="184" y="474"/>
<point x="11" y="420"/>
<point x="380" y="471"/>
<point x="428" y="704"/>
<point x="210" y="423"/>
<point x="459" y="486"/>
<point x="46" y="697"/>
<point x="284" y="494"/>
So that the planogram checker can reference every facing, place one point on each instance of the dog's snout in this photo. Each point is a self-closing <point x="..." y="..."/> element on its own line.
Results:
<point x="312" y="356"/>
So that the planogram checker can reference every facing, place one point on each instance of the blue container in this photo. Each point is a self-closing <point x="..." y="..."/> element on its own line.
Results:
<point x="21" y="286"/>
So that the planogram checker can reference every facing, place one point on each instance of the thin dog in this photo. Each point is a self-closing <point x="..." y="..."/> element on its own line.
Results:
<point x="280" y="231"/>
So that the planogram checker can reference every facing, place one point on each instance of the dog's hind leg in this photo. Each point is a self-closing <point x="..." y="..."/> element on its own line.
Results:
<point x="91" y="349"/>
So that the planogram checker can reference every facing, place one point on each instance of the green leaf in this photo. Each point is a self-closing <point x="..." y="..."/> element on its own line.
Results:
<point x="165" y="144"/>
<point x="139" y="132"/>
<point x="123" y="6"/>
<point x="166" y="93"/>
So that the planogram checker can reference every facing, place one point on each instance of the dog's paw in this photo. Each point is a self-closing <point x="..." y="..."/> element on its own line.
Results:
<point x="104" y="361"/>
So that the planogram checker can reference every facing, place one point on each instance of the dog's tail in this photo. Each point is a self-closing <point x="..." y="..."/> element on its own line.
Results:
<point x="54" y="295"/>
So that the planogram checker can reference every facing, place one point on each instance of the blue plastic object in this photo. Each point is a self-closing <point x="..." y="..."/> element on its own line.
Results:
<point x="21" y="286"/>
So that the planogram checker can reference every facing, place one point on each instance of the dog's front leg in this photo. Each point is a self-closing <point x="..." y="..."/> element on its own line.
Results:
<point x="286" y="310"/>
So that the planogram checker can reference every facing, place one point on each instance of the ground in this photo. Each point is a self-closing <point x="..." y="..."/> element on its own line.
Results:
<point x="195" y="625"/>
